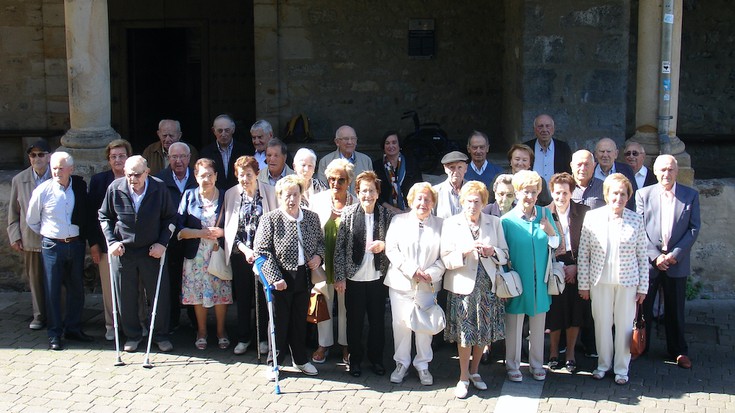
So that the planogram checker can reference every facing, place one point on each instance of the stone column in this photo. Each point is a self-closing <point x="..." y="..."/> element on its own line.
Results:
<point x="648" y="82"/>
<point x="88" y="69"/>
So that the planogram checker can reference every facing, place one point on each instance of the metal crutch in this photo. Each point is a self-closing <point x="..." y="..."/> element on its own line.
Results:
<point x="271" y="326"/>
<point x="147" y="363"/>
<point x="113" y="292"/>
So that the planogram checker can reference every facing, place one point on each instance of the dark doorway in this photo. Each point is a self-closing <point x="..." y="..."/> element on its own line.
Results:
<point x="164" y="72"/>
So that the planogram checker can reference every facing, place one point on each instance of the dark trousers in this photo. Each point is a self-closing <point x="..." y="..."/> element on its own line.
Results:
<point x="289" y="316"/>
<point x="128" y="271"/>
<point x="244" y="286"/>
<point x="365" y="298"/>
<point x="674" y="296"/>
<point x="175" y="269"/>
<point x="63" y="265"/>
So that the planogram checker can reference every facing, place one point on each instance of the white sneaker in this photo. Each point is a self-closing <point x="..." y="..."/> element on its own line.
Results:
<point x="110" y="333"/>
<point x="263" y="347"/>
<point x="398" y="374"/>
<point x="241" y="348"/>
<point x="426" y="378"/>
<point x="307" y="369"/>
<point x="477" y="382"/>
<point x="462" y="389"/>
<point x="269" y="373"/>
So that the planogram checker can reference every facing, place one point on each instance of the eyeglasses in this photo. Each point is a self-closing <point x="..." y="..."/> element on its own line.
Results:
<point x="220" y="131"/>
<point x="178" y="157"/>
<point x="340" y="181"/>
<point x="348" y="139"/>
<point x="116" y="157"/>
<point x="38" y="154"/>
<point x="632" y="153"/>
<point x="135" y="174"/>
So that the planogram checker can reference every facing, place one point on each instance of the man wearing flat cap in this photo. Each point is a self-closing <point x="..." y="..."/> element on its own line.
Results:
<point x="22" y="238"/>
<point x="447" y="202"/>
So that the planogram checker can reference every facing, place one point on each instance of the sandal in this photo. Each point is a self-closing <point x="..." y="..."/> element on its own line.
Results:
<point x="598" y="374"/>
<point x="571" y="366"/>
<point x="223" y="343"/>
<point x="553" y="363"/>
<point x="539" y="375"/>
<point x="320" y="355"/>
<point x="515" y="375"/>
<point x="201" y="343"/>
<point x="620" y="379"/>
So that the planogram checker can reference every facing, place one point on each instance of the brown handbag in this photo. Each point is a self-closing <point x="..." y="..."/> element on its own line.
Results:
<point x="318" y="310"/>
<point x="638" y="340"/>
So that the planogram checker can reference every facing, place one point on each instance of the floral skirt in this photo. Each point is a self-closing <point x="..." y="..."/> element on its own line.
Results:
<point x="198" y="286"/>
<point x="476" y="319"/>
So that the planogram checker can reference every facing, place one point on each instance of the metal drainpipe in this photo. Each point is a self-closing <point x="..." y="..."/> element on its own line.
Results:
<point x="664" y="91"/>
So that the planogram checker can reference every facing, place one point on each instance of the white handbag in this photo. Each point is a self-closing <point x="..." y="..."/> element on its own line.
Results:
<point x="218" y="260"/>
<point x="429" y="319"/>
<point x="554" y="275"/>
<point x="507" y="283"/>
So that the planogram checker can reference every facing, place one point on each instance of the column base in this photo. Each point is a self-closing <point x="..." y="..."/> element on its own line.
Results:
<point x="87" y="146"/>
<point x="647" y="136"/>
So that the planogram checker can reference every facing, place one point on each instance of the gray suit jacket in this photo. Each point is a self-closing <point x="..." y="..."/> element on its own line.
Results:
<point x="683" y="233"/>
<point x="21" y="189"/>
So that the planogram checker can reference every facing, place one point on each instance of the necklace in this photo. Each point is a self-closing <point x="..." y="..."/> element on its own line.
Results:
<point x="338" y="212"/>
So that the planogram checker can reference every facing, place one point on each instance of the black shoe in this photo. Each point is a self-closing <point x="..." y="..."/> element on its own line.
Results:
<point x="378" y="369"/>
<point x="78" y="336"/>
<point x="54" y="343"/>
<point x="553" y="363"/>
<point x="485" y="357"/>
<point x="355" y="371"/>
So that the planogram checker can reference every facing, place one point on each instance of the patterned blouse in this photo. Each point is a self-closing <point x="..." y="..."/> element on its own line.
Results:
<point x="251" y="209"/>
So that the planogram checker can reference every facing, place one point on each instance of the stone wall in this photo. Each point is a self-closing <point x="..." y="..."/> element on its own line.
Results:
<point x="347" y="63"/>
<point x="707" y="95"/>
<point x="571" y="61"/>
<point x="33" y="83"/>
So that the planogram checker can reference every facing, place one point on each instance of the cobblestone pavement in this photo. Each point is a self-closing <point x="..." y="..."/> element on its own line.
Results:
<point x="83" y="377"/>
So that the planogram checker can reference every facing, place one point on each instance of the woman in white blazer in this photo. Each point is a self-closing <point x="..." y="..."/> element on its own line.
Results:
<point x="612" y="271"/>
<point x="472" y="247"/>
<point x="245" y="203"/>
<point x="412" y="245"/>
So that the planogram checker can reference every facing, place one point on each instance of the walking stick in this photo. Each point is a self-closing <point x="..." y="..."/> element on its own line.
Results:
<point x="271" y="326"/>
<point x="113" y="292"/>
<point x="147" y="363"/>
<point x="257" y="315"/>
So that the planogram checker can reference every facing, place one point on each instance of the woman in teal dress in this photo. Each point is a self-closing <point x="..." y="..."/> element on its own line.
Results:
<point x="529" y="231"/>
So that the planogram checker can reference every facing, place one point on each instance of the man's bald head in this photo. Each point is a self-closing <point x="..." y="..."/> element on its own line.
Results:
<point x="583" y="167"/>
<point x="606" y="151"/>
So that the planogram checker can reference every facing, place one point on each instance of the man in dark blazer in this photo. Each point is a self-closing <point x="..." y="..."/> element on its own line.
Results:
<point x="137" y="217"/>
<point x="671" y="215"/>
<point x="63" y="232"/>
<point x="178" y="177"/>
<point x="545" y="145"/>
<point x="635" y="154"/>
<point x="224" y="151"/>
<point x="606" y="153"/>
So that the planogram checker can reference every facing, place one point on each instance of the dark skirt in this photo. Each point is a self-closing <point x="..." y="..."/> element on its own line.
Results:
<point x="568" y="309"/>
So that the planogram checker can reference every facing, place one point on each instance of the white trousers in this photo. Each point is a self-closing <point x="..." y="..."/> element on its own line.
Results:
<point x="401" y="304"/>
<point x="513" y="340"/>
<point x="613" y="305"/>
<point x="325" y="328"/>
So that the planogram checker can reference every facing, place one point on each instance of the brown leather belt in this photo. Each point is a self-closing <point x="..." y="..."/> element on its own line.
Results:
<point x="65" y="240"/>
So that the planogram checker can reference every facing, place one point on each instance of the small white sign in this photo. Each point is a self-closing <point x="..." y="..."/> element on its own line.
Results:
<point x="666" y="66"/>
<point x="669" y="18"/>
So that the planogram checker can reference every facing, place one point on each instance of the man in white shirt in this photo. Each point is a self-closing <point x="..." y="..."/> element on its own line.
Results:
<point x="58" y="212"/>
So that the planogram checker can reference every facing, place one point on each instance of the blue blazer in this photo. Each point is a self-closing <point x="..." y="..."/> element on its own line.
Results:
<point x="189" y="216"/>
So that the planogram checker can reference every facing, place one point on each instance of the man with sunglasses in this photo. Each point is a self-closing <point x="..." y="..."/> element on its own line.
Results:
<point x="22" y="238"/>
<point x="635" y="154"/>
